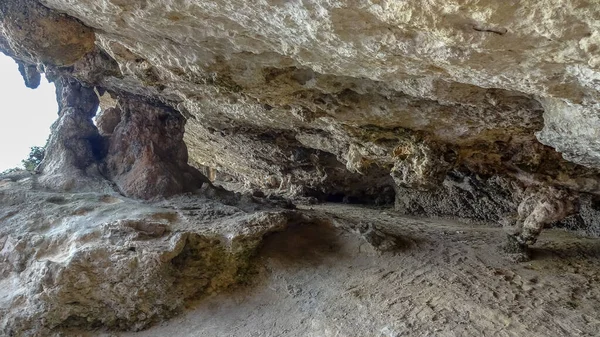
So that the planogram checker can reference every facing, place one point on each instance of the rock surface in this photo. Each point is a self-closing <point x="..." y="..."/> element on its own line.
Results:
<point x="441" y="277"/>
<point x="466" y="196"/>
<point x="447" y="279"/>
<point x="322" y="98"/>
<point x="34" y="33"/>
<point x="482" y="110"/>
<point x="539" y="209"/>
<point x="91" y="259"/>
<point x="309" y="89"/>
<point x="146" y="156"/>
<point x="74" y="147"/>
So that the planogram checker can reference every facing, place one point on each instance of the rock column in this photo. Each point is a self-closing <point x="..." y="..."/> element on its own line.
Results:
<point x="75" y="147"/>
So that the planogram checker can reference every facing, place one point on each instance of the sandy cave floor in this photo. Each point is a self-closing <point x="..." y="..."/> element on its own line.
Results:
<point x="447" y="278"/>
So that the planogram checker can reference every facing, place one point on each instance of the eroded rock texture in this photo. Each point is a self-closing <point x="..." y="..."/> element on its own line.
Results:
<point x="34" y="33"/>
<point x="483" y="110"/>
<point x="313" y="98"/>
<point x="138" y="147"/>
<point x="75" y="147"/>
<point x="146" y="155"/>
<point x="339" y="101"/>
<point x="540" y="208"/>
<point x="93" y="259"/>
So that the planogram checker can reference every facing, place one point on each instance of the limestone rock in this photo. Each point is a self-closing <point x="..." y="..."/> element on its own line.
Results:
<point x="541" y="207"/>
<point x="464" y="195"/>
<point x="37" y="34"/>
<point x="421" y="166"/>
<point x="471" y="79"/>
<point x="446" y="108"/>
<point x="311" y="103"/>
<point x="587" y="220"/>
<point x="30" y="74"/>
<point x="147" y="157"/>
<point x="573" y="130"/>
<point x="108" y="120"/>
<point x="90" y="259"/>
<point x="75" y="147"/>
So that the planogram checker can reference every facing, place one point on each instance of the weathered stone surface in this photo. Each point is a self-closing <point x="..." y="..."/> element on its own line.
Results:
<point x="107" y="121"/>
<point x="463" y="195"/>
<point x="35" y="34"/>
<point x="140" y="148"/>
<point x="541" y="207"/>
<point x="277" y="161"/>
<point x="310" y="103"/>
<point x="472" y="82"/>
<point x="92" y="259"/>
<point x="421" y="166"/>
<point x="75" y="148"/>
<point x="30" y="74"/>
<point x="146" y="156"/>
<point x="587" y="220"/>
<point x="446" y="279"/>
<point x="447" y="108"/>
<point x="573" y="129"/>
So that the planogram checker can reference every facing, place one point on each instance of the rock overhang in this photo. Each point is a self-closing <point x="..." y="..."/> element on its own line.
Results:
<point x="443" y="108"/>
<point x="338" y="100"/>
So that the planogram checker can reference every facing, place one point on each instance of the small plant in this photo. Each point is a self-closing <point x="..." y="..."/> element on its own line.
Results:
<point x="35" y="158"/>
<point x="11" y="170"/>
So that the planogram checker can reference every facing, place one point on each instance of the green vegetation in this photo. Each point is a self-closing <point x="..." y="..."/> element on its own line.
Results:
<point x="36" y="154"/>
<point x="35" y="158"/>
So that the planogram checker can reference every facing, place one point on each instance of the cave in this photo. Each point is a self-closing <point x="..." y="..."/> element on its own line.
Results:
<point x="306" y="168"/>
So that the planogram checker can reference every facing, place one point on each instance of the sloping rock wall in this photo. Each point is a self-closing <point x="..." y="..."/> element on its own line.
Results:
<point x="93" y="259"/>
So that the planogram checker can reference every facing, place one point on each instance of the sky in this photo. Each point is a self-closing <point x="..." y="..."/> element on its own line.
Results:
<point x="25" y="114"/>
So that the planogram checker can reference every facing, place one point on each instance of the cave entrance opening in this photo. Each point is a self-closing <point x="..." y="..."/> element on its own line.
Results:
<point x="25" y="117"/>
